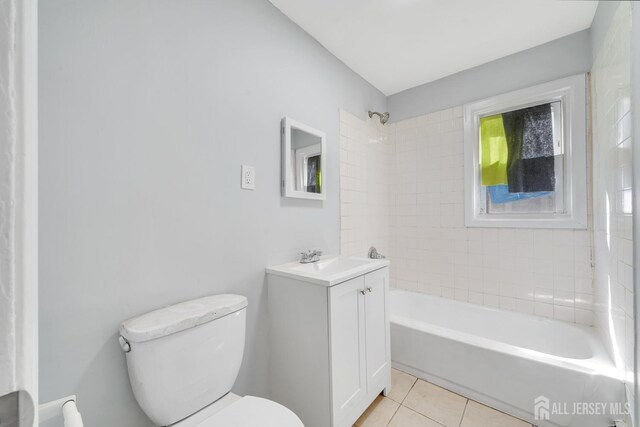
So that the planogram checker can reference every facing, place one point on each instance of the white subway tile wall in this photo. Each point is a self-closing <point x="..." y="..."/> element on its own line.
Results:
<point x="402" y="191"/>
<point x="365" y="185"/>
<point x="543" y="272"/>
<point x="611" y="124"/>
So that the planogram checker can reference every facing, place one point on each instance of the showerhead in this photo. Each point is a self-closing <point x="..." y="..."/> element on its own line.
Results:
<point x="384" y="117"/>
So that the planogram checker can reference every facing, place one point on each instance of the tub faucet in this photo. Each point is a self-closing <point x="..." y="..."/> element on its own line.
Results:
<point x="374" y="254"/>
<point x="310" y="256"/>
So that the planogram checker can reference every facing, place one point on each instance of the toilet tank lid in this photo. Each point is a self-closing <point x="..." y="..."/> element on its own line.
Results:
<point x="178" y="317"/>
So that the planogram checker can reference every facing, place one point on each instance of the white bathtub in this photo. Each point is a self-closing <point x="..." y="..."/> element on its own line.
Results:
<point x="503" y="359"/>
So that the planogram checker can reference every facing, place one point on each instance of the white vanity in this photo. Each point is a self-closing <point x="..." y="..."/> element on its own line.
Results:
<point x="329" y="336"/>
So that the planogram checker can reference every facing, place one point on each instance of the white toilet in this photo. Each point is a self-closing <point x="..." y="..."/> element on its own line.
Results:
<point x="183" y="361"/>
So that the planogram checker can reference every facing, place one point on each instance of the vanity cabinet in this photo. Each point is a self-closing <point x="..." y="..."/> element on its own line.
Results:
<point x="329" y="356"/>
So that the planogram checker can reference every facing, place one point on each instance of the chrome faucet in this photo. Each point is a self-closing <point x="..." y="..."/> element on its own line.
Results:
<point x="374" y="254"/>
<point x="310" y="256"/>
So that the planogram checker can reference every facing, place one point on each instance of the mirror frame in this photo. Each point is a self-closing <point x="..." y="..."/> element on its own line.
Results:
<point x="288" y="180"/>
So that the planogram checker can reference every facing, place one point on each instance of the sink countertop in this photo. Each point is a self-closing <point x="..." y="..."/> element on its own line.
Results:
<point x="330" y="270"/>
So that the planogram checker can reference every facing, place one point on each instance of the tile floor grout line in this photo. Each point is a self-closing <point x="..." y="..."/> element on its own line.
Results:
<point x="415" y="381"/>
<point x="428" y="417"/>
<point x="464" y="411"/>
<point x="425" y="416"/>
<point x="394" y="413"/>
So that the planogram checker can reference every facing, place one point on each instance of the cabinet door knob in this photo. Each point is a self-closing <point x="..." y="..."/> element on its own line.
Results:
<point x="369" y="289"/>
<point x="362" y="291"/>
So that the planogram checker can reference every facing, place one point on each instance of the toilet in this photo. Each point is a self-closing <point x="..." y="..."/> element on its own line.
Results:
<point x="183" y="361"/>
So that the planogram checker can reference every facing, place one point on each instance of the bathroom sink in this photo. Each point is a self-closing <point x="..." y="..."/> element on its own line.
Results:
<point x="330" y="270"/>
<point x="332" y="265"/>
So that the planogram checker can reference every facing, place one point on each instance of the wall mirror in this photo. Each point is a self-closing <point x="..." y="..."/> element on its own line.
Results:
<point x="303" y="161"/>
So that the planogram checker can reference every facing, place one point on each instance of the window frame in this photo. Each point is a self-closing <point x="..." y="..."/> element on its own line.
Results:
<point x="571" y="92"/>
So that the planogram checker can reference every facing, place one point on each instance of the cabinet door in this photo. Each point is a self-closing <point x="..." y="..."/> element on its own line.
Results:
<point x="377" y="329"/>
<point x="346" y="312"/>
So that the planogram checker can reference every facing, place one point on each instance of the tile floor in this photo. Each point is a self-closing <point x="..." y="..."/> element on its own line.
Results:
<point x="417" y="403"/>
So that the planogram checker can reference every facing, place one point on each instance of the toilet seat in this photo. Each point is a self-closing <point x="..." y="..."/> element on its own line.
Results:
<point x="250" y="411"/>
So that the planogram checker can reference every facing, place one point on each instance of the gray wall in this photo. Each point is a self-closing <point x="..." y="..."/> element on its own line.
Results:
<point x="600" y="24"/>
<point x="559" y="58"/>
<point x="8" y="379"/>
<point x="148" y="109"/>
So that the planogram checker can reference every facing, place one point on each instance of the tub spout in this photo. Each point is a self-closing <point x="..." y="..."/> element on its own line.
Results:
<point x="374" y="254"/>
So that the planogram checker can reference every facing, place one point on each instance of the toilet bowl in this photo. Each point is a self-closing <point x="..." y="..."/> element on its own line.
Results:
<point x="183" y="361"/>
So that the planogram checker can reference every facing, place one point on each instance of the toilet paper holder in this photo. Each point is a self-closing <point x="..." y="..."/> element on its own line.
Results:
<point x="65" y="407"/>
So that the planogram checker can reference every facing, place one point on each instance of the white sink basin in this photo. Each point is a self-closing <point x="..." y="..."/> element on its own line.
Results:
<point x="330" y="270"/>
<point x="331" y="265"/>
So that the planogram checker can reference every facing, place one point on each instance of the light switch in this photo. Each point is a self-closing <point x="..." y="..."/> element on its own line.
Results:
<point x="248" y="177"/>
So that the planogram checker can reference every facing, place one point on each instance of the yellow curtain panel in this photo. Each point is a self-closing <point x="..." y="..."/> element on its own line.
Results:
<point x="493" y="147"/>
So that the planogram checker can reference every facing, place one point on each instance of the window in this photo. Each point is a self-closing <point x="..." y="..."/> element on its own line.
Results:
<point x="525" y="158"/>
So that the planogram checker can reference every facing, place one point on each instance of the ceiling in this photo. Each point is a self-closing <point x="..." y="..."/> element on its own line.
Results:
<point x="399" y="44"/>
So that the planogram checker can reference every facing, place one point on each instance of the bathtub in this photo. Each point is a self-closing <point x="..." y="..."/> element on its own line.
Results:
<point x="506" y="360"/>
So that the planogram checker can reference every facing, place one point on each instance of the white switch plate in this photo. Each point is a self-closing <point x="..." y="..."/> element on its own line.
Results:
<point x="248" y="177"/>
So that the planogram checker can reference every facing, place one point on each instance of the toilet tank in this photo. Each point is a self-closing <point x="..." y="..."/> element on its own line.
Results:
<point x="184" y="357"/>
